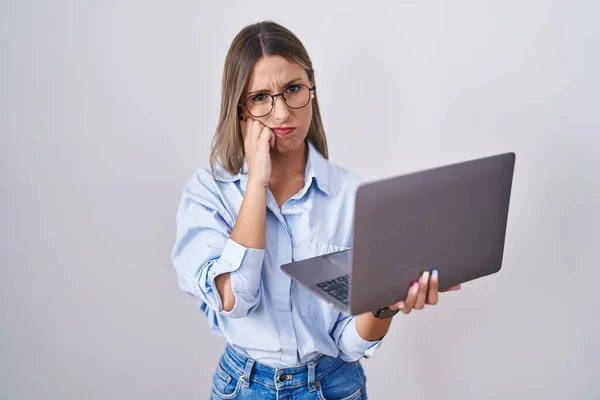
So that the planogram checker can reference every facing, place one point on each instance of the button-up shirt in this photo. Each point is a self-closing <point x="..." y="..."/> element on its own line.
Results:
<point x="275" y="320"/>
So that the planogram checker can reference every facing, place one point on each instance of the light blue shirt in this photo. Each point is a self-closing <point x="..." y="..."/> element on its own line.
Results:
<point x="275" y="320"/>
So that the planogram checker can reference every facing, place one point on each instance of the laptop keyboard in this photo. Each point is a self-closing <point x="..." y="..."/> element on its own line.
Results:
<point x="337" y="288"/>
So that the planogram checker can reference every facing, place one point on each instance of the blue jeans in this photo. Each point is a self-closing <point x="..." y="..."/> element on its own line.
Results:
<point x="325" y="378"/>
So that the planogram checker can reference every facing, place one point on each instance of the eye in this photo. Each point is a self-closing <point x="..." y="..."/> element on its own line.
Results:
<point x="259" y="98"/>
<point x="292" y="89"/>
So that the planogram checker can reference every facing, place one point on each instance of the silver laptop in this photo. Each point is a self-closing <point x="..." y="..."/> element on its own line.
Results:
<point x="451" y="218"/>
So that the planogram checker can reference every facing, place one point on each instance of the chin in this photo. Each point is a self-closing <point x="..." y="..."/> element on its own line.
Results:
<point x="289" y="145"/>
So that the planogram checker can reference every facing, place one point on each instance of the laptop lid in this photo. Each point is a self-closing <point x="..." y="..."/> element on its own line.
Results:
<point x="451" y="218"/>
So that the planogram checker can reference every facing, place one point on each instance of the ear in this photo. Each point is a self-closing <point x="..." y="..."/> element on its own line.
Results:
<point x="311" y="75"/>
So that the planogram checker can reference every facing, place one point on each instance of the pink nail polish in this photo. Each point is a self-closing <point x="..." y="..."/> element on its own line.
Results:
<point x="415" y="287"/>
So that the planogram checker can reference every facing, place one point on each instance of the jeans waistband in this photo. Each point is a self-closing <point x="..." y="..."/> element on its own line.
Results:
<point x="281" y="378"/>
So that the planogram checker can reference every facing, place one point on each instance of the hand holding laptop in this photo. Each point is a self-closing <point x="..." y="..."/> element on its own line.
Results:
<point x="424" y="291"/>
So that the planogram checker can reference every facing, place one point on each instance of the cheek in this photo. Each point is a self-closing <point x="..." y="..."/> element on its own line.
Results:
<point x="305" y="117"/>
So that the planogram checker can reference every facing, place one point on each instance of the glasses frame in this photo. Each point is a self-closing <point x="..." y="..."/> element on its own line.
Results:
<point x="273" y="96"/>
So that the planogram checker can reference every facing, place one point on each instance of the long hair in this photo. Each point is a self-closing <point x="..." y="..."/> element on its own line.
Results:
<point x="265" y="38"/>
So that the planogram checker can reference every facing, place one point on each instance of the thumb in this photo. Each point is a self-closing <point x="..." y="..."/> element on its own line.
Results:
<point x="397" y="306"/>
<point x="272" y="140"/>
<point x="451" y="289"/>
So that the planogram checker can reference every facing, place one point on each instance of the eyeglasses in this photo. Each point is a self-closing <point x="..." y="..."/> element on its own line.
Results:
<point x="295" y="96"/>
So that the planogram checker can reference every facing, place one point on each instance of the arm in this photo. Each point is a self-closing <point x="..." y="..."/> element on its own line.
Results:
<point x="217" y="260"/>
<point x="351" y="344"/>
<point x="207" y="247"/>
<point x="361" y="335"/>
<point x="249" y="231"/>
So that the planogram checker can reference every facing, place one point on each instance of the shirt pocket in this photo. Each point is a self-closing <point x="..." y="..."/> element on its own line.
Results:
<point x="308" y="303"/>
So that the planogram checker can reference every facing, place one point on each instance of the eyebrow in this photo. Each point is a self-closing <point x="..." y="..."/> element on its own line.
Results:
<point x="267" y="90"/>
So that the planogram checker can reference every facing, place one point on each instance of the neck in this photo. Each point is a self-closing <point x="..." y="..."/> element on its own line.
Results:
<point x="289" y="165"/>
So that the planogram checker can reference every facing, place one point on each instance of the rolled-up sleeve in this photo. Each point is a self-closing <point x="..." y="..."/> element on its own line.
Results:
<point x="203" y="250"/>
<point x="352" y="347"/>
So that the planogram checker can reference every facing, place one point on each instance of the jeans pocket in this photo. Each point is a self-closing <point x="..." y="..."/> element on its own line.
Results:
<point x="342" y="384"/>
<point x="225" y="385"/>
<point x="354" y="396"/>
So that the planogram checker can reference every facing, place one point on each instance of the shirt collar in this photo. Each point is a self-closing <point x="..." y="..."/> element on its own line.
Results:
<point x="317" y="169"/>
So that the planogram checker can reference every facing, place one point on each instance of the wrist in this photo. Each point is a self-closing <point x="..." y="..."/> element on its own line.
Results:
<point x="257" y="183"/>
<point x="256" y="186"/>
<point x="385" y="313"/>
<point x="371" y="328"/>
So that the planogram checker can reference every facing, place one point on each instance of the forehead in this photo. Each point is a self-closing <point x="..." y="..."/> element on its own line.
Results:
<point x="272" y="72"/>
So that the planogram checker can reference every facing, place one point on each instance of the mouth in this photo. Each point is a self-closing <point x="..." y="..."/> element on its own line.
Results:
<point x="283" y="131"/>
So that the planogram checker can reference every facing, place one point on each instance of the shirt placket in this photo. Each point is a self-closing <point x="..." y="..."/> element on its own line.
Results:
<point x="282" y="301"/>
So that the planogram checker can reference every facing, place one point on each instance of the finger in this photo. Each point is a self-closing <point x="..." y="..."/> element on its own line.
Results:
<point x="257" y="127"/>
<point x="422" y="295"/>
<point x="397" y="306"/>
<point x="434" y="283"/>
<point x="411" y="298"/>
<point x="250" y="129"/>
<point x="450" y="289"/>
<point x="267" y="135"/>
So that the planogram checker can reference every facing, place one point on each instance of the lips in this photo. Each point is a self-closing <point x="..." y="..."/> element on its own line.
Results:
<point x="283" y="131"/>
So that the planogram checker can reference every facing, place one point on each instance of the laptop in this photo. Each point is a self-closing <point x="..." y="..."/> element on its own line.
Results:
<point x="451" y="218"/>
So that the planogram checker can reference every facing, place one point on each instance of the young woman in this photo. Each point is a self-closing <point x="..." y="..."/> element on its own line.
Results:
<point x="271" y="196"/>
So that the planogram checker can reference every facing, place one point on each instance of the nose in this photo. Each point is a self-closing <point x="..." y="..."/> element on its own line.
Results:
<point x="280" y="109"/>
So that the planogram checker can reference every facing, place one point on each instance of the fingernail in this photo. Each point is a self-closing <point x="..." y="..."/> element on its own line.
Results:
<point x="401" y="305"/>
<point x="426" y="275"/>
<point x="435" y="272"/>
<point x="415" y="287"/>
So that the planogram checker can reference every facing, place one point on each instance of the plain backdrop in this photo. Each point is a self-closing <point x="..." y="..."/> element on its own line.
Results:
<point x="108" y="107"/>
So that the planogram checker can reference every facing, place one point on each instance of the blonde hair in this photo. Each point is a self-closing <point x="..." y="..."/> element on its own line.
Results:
<point x="265" y="38"/>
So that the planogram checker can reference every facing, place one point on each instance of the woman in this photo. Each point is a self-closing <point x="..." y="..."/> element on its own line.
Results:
<point x="269" y="197"/>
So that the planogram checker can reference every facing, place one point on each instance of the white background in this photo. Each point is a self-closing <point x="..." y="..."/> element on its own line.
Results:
<point x="108" y="107"/>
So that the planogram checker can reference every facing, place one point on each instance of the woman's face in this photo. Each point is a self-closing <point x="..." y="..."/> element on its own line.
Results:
<point x="274" y="75"/>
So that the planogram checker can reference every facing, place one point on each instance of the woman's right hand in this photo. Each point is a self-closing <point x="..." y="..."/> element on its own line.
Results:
<point x="258" y="142"/>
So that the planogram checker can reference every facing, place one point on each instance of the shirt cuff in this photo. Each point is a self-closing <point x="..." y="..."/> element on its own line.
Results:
<point x="355" y="342"/>
<point x="234" y="255"/>
<point x="244" y="267"/>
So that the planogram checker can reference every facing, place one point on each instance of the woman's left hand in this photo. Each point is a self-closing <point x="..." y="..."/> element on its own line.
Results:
<point x="424" y="291"/>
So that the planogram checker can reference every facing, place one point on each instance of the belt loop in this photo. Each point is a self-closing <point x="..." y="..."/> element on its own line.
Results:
<point x="247" y="371"/>
<point x="311" y="377"/>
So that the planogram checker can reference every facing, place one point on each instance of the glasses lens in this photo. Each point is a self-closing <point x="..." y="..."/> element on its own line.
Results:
<point x="259" y="105"/>
<point x="297" y="96"/>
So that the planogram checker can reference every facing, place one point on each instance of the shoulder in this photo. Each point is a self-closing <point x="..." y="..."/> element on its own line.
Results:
<point x="210" y="178"/>
<point x="205" y="187"/>
<point x="206" y="196"/>
<point x="202" y="180"/>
